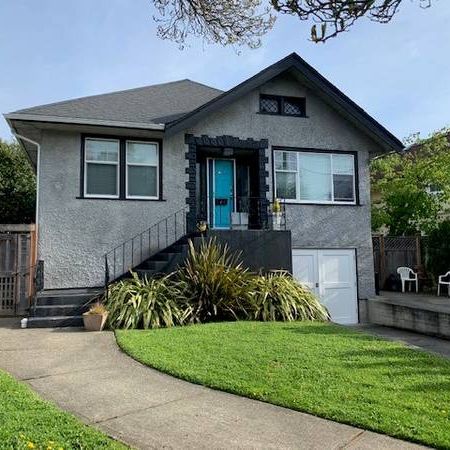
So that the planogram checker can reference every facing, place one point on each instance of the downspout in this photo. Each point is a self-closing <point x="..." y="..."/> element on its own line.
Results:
<point x="38" y="163"/>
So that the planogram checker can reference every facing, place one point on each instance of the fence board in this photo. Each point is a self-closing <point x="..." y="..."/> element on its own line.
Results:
<point x="16" y="268"/>
<point x="391" y="252"/>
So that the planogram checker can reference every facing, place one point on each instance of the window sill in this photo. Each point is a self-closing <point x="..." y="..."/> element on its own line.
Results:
<point x="293" y="202"/>
<point x="123" y="199"/>
<point x="282" y="115"/>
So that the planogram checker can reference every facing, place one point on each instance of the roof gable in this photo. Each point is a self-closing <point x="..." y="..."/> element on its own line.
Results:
<point x="314" y="80"/>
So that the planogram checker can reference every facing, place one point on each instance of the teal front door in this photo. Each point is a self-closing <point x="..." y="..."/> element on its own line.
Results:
<point x="223" y="192"/>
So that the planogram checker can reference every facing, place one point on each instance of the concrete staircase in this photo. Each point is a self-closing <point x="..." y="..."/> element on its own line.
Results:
<point x="64" y="307"/>
<point x="61" y="307"/>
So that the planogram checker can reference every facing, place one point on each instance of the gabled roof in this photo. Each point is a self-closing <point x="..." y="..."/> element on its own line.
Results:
<point x="311" y="77"/>
<point x="179" y="105"/>
<point x="155" y="104"/>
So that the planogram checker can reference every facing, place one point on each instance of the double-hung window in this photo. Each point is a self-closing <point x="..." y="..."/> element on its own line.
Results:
<point x="142" y="169"/>
<point x="121" y="169"/>
<point x="309" y="177"/>
<point x="101" y="168"/>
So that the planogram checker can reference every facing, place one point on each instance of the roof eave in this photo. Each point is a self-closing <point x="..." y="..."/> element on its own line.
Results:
<point x="80" y="121"/>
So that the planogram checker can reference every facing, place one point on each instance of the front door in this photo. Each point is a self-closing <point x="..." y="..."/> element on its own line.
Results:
<point x="221" y="196"/>
<point x="331" y="275"/>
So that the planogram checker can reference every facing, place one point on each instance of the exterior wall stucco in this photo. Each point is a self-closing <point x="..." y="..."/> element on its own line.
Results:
<point x="76" y="233"/>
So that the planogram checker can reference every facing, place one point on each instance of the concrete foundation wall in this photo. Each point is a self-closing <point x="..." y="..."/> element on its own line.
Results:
<point x="260" y="250"/>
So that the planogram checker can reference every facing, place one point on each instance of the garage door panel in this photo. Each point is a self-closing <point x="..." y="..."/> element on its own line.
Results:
<point x="334" y="271"/>
<point x="304" y="267"/>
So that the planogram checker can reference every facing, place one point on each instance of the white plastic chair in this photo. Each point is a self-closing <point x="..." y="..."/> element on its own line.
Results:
<point x="407" y="274"/>
<point x="445" y="283"/>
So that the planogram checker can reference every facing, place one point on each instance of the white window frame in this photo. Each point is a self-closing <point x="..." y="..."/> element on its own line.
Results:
<point x="297" y="200"/>
<point x="142" y="197"/>
<point x="110" y="163"/>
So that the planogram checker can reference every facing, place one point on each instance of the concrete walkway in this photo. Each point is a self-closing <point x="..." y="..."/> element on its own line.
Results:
<point x="415" y="340"/>
<point x="87" y="374"/>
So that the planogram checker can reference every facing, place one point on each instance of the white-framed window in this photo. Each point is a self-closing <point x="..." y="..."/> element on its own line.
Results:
<point x="309" y="177"/>
<point x="101" y="167"/>
<point x="142" y="170"/>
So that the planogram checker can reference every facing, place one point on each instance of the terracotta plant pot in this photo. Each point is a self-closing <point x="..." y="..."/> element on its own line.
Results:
<point x="94" y="322"/>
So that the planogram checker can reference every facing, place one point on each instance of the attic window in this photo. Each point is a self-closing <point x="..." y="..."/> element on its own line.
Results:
<point x="283" y="106"/>
<point x="269" y="105"/>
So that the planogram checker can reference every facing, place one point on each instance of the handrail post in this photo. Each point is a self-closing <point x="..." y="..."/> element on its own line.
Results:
<point x="106" y="276"/>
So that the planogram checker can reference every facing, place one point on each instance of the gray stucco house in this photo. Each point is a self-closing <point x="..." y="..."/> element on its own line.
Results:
<point x="153" y="163"/>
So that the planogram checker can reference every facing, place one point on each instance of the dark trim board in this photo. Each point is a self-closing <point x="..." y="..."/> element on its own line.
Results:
<point x="275" y="148"/>
<point x="122" y="166"/>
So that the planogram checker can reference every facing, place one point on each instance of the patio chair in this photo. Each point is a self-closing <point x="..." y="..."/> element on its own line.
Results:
<point x="444" y="283"/>
<point x="407" y="274"/>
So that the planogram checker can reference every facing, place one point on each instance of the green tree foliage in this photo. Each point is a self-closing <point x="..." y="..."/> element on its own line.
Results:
<point x="414" y="187"/>
<point x="17" y="185"/>
<point x="437" y="249"/>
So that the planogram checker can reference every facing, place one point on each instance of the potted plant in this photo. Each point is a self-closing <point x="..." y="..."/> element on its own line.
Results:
<point x="276" y="215"/>
<point x="94" y="319"/>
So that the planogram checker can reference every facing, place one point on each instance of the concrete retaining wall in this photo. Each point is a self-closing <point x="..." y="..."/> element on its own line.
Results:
<point x="425" y="321"/>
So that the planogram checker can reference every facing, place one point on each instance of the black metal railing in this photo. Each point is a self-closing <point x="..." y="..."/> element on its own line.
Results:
<point x="142" y="246"/>
<point x="241" y="213"/>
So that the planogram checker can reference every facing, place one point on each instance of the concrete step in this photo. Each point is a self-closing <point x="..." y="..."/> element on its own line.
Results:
<point x="55" y="322"/>
<point x="66" y="296"/>
<point x="58" y="310"/>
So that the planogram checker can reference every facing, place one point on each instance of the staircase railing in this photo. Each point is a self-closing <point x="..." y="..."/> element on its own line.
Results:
<point x="144" y="245"/>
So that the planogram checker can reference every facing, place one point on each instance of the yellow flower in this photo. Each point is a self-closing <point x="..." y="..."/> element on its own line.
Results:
<point x="30" y="445"/>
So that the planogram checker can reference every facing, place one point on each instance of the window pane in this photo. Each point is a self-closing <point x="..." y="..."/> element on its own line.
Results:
<point x="343" y="188"/>
<point x="142" y="181"/>
<point x="315" y="177"/>
<point x="142" y="153"/>
<point x="269" y="105"/>
<point x="343" y="164"/>
<point x="285" y="160"/>
<point x="102" y="150"/>
<point x="294" y="107"/>
<point x="286" y="185"/>
<point x="101" y="179"/>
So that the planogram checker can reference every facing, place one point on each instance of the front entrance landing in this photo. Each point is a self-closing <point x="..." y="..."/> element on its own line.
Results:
<point x="86" y="374"/>
<point x="420" y="313"/>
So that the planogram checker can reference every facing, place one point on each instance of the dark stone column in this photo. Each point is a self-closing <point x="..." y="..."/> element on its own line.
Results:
<point x="191" y="156"/>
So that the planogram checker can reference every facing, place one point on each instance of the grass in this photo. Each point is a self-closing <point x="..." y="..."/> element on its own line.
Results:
<point x="28" y="422"/>
<point x="323" y="369"/>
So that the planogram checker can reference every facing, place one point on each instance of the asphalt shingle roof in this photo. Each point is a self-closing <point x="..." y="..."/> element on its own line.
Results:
<point x="159" y="103"/>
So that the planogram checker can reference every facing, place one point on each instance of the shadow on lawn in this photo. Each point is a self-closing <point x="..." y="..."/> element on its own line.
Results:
<point x="329" y="329"/>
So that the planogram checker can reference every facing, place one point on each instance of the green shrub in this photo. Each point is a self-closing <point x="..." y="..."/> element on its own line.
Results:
<point x="278" y="296"/>
<point x="215" y="283"/>
<point x="146" y="303"/>
<point x="437" y="249"/>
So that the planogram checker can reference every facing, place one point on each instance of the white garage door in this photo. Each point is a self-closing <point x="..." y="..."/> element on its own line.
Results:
<point x="331" y="275"/>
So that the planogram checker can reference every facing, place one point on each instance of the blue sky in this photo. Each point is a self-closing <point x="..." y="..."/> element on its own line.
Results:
<point x="52" y="50"/>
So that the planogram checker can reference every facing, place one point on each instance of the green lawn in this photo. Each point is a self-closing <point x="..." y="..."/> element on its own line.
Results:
<point x="27" y="422"/>
<point x="323" y="369"/>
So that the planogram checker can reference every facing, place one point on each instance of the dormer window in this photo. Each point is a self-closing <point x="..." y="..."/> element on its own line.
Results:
<point x="282" y="106"/>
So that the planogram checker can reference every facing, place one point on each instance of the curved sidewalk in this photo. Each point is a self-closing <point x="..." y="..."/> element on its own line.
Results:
<point x="87" y="374"/>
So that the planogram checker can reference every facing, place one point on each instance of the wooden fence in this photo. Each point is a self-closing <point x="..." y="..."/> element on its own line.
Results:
<point x="17" y="261"/>
<point x="391" y="252"/>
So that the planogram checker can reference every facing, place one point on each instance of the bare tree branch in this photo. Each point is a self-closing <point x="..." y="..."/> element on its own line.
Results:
<point x="235" y="22"/>
<point x="230" y="22"/>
